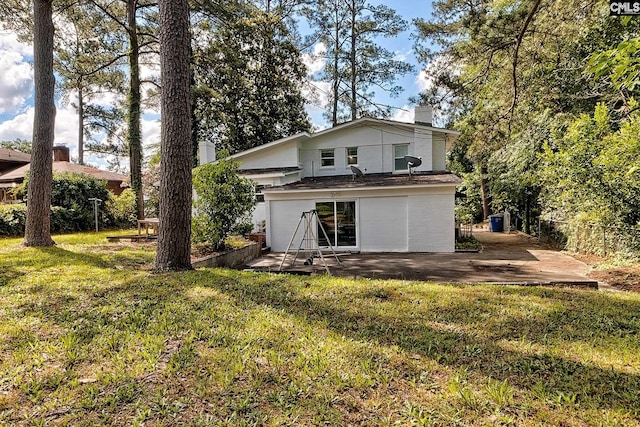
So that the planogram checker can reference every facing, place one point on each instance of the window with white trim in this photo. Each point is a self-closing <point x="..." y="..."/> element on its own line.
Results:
<point x="327" y="158"/>
<point x="352" y="156"/>
<point x="338" y="220"/>
<point x="399" y="162"/>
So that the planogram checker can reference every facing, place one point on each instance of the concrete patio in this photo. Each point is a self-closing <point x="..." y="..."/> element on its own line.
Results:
<point x="505" y="258"/>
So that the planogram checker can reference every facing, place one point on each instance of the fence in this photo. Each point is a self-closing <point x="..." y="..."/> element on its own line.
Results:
<point x="590" y="237"/>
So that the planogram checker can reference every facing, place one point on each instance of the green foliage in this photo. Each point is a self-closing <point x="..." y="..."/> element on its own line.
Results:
<point x="122" y="209"/>
<point x="89" y="62"/>
<point x="18" y="144"/>
<point x="151" y="185"/>
<point x="248" y="78"/>
<point x="224" y="202"/>
<point x="71" y="209"/>
<point x="70" y="194"/>
<point x="513" y="77"/>
<point x="12" y="220"/>
<point x="620" y="65"/>
<point x="591" y="171"/>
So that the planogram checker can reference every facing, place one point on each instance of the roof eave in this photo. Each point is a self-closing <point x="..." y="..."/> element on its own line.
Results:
<point x="301" y="135"/>
<point x="280" y="190"/>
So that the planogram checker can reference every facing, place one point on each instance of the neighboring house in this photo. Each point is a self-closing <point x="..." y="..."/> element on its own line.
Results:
<point x="14" y="177"/>
<point x="386" y="210"/>
<point x="9" y="160"/>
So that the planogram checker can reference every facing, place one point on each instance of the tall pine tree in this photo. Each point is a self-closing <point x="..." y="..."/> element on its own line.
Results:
<point x="356" y="64"/>
<point x="248" y="78"/>
<point x="38" y="230"/>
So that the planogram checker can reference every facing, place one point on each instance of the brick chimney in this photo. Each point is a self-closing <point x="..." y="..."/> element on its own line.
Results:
<point x="60" y="153"/>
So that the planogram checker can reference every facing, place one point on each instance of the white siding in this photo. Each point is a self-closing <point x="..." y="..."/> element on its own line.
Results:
<point x="279" y="156"/>
<point x="284" y="216"/>
<point x="431" y="222"/>
<point x="420" y="220"/>
<point x="422" y="148"/>
<point x="375" y="149"/>
<point x="259" y="214"/>
<point x="383" y="224"/>
<point x="439" y="152"/>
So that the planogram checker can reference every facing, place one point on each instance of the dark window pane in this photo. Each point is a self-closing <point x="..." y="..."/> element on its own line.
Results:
<point x="346" y="223"/>
<point x="326" y="217"/>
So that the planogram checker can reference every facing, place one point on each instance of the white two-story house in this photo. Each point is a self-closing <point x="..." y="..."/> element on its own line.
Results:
<point x="387" y="209"/>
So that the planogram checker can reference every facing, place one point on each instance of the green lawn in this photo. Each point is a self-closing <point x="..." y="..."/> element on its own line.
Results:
<point x="89" y="335"/>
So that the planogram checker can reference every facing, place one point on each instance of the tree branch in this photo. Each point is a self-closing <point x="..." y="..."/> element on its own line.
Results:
<point x="532" y="12"/>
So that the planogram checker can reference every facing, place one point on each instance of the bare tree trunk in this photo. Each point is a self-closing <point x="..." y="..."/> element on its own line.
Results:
<point x="38" y="229"/>
<point x="194" y="119"/>
<point x="354" y="89"/>
<point x="336" y="74"/>
<point x="174" y="241"/>
<point x="484" y="192"/>
<point x="135" y="135"/>
<point x="80" y="123"/>
<point x="527" y="211"/>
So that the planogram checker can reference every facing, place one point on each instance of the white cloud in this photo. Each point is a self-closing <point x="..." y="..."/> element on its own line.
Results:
<point x="424" y="81"/>
<point x="403" y="56"/>
<point x="20" y="126"/>
<point x="316" y="92"/>
<point x="9" y="42"/>
<point x="426" y="78"/>
<point x="16" y="83"/>
<point x="316" y="95"/>
<point x="67" y="129"/>
<point x="150" y="68"/>
<point x="150" y="133"/>
<point x="316" y="60"/>
<point x="404" y="114"/>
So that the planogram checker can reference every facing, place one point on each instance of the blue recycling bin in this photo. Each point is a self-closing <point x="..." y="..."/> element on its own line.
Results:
<point x="495" y="223"/>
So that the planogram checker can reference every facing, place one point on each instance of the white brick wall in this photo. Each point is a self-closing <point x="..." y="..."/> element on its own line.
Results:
<point x="431" y="223"/>
<point x="383" y="224"/>
<point x="283" y="216"/>
<point x="421" y="220"/>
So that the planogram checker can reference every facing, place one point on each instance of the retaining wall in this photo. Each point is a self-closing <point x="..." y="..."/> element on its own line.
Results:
<point x="231" y="259"/>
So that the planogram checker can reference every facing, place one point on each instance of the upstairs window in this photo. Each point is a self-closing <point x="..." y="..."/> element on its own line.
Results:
<point x="399" y="162"/>
<point x="259" y="195"/>
<point x="352" y="156"/>
<point x="327" y="158"/>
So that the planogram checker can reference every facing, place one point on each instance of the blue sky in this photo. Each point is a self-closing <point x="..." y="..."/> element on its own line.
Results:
<point x="402" y="45"/>
<point x="16" y="86"/>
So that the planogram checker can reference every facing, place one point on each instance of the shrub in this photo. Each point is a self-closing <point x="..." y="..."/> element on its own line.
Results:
<point x="224" y="202"/>
<point x="121" y="209"/>
<point x="12" y="220"/>
<point x="71" y="207"/>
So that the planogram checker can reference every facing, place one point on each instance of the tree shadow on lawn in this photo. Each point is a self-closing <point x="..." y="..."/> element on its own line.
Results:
<point x="535" y="371"/>
<point x="52" y="256"/>
<point x="443" y="332"/>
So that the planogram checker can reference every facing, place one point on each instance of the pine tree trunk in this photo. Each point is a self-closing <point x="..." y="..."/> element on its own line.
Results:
<point x="336" y="74"/>
<point x="38" y="230"/>
<point x="174" y="240"/>
<point x="352" y="59"/>
<point x="135" y="137"/>
<point x="80" y="124"/>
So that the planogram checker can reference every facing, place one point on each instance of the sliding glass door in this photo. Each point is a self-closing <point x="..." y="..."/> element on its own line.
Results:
<point x="339" y="221"/>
